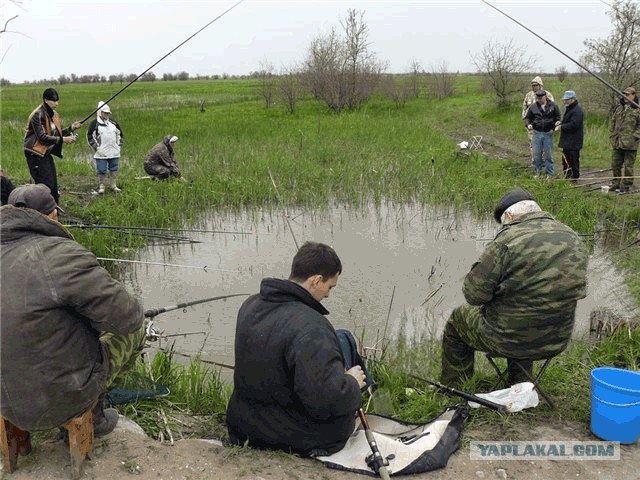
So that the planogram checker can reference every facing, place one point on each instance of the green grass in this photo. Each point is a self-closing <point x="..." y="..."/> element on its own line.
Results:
<point x="406" y="154"/>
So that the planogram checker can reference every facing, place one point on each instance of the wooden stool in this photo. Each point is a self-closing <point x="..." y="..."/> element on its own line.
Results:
<point x="14" y="442"/>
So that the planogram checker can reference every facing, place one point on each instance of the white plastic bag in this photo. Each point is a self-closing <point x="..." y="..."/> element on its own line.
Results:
<point x="515" y="398"/>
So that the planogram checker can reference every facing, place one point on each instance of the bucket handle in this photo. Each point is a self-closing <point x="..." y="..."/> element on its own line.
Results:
<point x="617" y="404"/>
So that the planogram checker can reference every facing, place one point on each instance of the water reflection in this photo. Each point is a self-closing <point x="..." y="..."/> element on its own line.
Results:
<point x="403" y="270"/>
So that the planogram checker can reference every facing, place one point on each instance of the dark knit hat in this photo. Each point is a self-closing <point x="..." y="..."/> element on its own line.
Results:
<point x="50" y="94"/>
<point x="37" y="197"/>
<point x="514" y="196"/>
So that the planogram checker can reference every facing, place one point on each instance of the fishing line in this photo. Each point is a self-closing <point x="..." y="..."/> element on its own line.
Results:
<point x="561" y="52"/>
<point x="161" y="59"/>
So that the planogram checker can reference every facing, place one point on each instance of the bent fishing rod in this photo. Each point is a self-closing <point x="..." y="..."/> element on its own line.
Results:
<point x="459" y="393"/>
<point x="157" y="311"/>
<point x="161" y="59"/>
<point x="593" y="74"/>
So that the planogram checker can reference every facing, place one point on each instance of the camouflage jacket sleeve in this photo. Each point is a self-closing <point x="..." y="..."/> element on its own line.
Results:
<point x="485" y="275"/>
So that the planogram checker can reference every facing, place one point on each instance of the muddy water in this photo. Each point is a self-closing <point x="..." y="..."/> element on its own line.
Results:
<point x="403" y="267"/>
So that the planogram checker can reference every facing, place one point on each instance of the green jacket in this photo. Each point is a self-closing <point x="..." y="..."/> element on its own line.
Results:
<point x="624" y="128"/>
<point x="527" y="283"/>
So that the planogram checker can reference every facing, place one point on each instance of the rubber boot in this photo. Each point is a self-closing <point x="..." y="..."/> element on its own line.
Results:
<point x="114" y="187"/>
<point x="101" y="187"/>
<point x="104" y="419"/>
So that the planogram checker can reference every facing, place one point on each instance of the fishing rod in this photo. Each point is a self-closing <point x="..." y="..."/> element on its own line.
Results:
<point x="161" y="59"/>
<point x="380" y="463"/>
<point x="467" y="396"/>
<point x="595" y="75"/>
<point x="171" y="229"/>
<point x="157" y="311"/>
<point x="635" y="242"/>
<point x="124" y="260"/>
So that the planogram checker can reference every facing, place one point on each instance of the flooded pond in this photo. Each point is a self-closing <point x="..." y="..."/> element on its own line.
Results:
<point x="403" y="267"/>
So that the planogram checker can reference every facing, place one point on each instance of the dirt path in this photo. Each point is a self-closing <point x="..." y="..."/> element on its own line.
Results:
<point x="128" y="454"/>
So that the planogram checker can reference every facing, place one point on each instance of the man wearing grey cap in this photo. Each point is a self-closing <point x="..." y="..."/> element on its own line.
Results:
<point x="571" y="130"/>
<point x="521" y="294"/>
<point x="68" y="328"/>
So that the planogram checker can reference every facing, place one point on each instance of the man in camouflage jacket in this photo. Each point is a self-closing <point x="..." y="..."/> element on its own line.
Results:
<point x="521" y="293"/>
<point x="624" y="132"/>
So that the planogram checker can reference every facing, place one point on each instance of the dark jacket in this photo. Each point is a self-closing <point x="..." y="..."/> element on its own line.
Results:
<point x="624" y="127"/>
<point x="6" y="186"/>
<point x="542" y="121"/>
<point x="40" y="136"/>
<point x="161" y="160"/>
<point x="291" y="391"/>
<point x="528" y="282"/>
<point x="55" y="301"/>
<point x="572" y="128"/>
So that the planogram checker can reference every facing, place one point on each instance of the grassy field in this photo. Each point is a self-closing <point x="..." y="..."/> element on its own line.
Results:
<point x="228" y="151"/>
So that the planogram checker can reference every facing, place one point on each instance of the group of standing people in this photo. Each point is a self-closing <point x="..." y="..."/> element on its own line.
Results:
<point x="541" y="117"/>
<point x="45" y="137"/>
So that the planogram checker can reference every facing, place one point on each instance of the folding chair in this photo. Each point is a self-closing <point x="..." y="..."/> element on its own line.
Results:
<point x="476" y="143"/>
<point x="503" y="375"/>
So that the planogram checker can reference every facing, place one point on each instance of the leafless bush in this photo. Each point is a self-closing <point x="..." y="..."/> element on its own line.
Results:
<point x="441" y="81"/>
<point x="397" y="89"/>
<point x="290" y="88"/>
<point x="266" y="82"/>
<point x="562" y="73"/>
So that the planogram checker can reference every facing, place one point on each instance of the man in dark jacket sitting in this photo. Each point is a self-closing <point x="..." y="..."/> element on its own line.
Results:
<point x="292" y="390"/>
<point x="68" y="328"/>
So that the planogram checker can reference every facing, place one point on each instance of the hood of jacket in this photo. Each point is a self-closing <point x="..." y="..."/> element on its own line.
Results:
<point x="537" y="80"/>
<point x="17" y="223"/>
<point x="284" y="291"/>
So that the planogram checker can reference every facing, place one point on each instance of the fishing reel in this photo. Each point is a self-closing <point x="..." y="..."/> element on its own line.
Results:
<point x="152" y="333"/>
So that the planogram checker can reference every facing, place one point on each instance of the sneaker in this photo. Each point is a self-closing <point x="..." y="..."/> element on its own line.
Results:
<point x="101" y="189"/>
<point x="624" y="189"/>
<point x="115" y="189"/>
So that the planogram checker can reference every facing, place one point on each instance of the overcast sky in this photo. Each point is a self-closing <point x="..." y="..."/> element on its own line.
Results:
<point x="56" y="37"/>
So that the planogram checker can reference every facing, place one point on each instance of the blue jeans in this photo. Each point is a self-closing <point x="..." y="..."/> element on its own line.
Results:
<point x="103" y="163"/>
<point x="543" y="143"/>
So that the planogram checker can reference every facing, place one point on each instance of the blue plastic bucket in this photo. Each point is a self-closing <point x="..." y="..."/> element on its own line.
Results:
<point x="615" y="404"/>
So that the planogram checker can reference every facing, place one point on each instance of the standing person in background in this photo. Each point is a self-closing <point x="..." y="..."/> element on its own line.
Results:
<point x="44" y="137"/>
<point x="571" y="135"/>
<point x="624" y="132"/>
<point x="541" y="119"/>
<point x="105" y="137"/>
<point x="530" y="99"/>
<point x="160" y="162"/>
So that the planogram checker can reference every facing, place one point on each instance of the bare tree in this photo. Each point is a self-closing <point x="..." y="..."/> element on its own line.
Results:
<point x="501" y="64"/>
<point x="617" y="57"/>
<point x="290" y="88"/>
<point x="341" y="71"/>
<point x="267" y="82"/>
<point x="442" y="81"/>
<point x="416" y="78"/>
<point x="562" y="73"/>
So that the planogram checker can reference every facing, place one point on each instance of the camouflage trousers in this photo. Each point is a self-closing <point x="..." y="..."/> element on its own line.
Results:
<point x="463" y="336"/>
<point x="622" y="160"/>
<point x="123" y="351"/>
